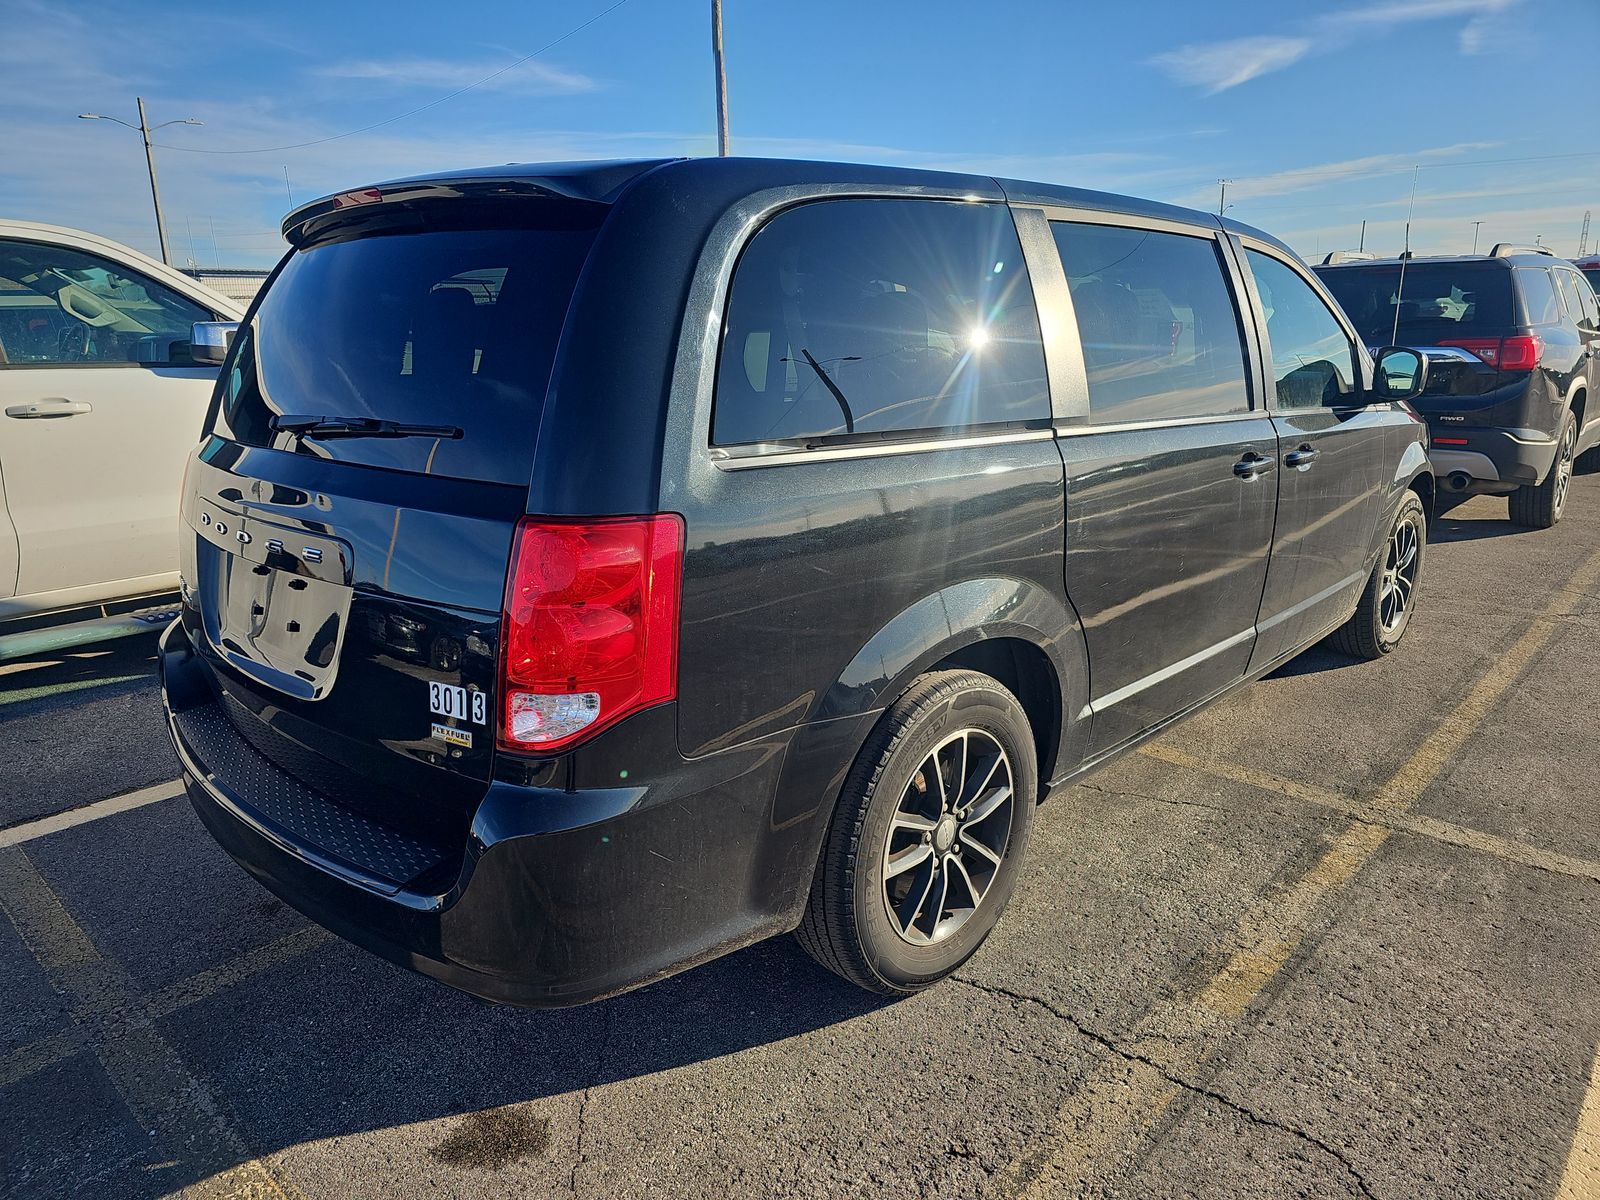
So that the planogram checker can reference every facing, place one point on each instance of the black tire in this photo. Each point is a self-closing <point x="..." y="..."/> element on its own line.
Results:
<point x="849" y="925"/>
<point x="1375" y="628"/>
<point x="1541" y="506"/>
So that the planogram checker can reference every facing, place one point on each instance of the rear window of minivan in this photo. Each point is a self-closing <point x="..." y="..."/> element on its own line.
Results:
<point x="444" y="327"/>
<point x="1441" y="300"/>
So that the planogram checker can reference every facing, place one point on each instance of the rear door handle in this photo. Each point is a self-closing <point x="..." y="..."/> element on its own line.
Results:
<point x="1302" y="457"/>
<point x="48" y="409"/>
<point x="1251" y="466"/>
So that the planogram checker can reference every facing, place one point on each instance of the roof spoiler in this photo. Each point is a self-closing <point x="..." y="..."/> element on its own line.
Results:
<point x="1507" y="249"/>
<point x="1343" y="256"/>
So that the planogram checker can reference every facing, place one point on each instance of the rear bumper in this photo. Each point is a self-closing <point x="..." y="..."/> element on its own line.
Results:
<point x="562" y="895"/>
<point x="1515" y="458"/>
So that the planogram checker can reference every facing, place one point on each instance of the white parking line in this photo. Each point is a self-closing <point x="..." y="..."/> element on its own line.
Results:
<point x="29" y="830"/>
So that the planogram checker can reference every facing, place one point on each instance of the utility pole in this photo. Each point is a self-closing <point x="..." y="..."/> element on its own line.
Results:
<point x="145" y="130"/>
<point x="1475" y="225"/>
<point x="722" y="78"/>
<point x="1222" y="197"/>
<point x="155" y="191"/>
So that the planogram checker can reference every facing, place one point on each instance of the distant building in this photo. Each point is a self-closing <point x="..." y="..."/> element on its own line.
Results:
<point x="236" y="283"/>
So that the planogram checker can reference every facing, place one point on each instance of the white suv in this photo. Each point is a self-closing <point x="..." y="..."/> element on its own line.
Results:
<point x="102" y="396"/>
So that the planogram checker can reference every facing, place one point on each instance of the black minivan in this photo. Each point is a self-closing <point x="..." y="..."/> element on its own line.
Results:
<point x="592" y="568"/>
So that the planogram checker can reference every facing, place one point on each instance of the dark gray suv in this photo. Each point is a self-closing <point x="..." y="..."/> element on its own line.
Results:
<point x="592" y="568"/>
<point x="1512" y="339"/>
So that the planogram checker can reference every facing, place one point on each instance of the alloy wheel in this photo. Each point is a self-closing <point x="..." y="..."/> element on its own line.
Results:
<point x="1564" y="469"/>
<point x="948" y="837"/>
<point x="1399" y="580"/>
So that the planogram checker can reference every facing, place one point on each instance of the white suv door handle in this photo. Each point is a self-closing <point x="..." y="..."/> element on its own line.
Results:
<point x="48" y="408"/>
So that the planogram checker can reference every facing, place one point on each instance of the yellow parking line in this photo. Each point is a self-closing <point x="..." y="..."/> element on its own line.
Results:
<point x="148" y="1074"/>
<point x="1581" y="1179"/>
<point x="1447" y="832"/>
<point x="1103" y="1121"/>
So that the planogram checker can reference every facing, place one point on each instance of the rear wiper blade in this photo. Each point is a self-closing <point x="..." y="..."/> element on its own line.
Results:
<point x="336" y="427"/>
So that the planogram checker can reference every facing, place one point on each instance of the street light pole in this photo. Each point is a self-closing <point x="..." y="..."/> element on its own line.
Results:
<point x="1222" y="198"/>
<point x="145" y="129"/>
<point x="1475" y="225"/>
<point x="722" y="78"/>
<point x="155" y="190"/>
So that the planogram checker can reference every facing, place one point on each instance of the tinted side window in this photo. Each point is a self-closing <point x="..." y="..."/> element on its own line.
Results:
<point x="59" y="305"/>
<point x="879" y="316"/>
<point x="1575" y="292"/>
<point x="1313" y="362"/>
<point x="1159" y="329"/>
<point x="1540" y="305"/>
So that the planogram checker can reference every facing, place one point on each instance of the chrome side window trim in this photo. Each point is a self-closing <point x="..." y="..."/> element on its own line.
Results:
<point x="786" y="458"/>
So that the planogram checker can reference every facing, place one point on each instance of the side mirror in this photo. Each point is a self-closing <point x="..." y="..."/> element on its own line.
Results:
<point x="209" y="341"/>
<point x="1399" y="374"/>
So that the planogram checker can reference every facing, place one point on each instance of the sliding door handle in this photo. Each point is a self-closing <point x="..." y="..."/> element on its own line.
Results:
<point x="1252" y="466"/>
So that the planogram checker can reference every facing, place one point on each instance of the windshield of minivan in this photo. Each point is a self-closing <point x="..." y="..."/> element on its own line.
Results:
<point x="1442" y="300"/>
<point x="446" y="328"/>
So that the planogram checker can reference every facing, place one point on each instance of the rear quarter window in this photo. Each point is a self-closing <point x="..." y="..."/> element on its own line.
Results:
<point x="888" y="317"/>
<point x="1540" y="304"/>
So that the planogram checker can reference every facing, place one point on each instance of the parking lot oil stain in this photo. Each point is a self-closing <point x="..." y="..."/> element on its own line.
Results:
<point x="493" y="1138"/>
<point x="269" y="908"/>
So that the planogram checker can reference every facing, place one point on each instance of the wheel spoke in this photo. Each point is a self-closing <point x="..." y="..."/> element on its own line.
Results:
<point x="915" y="822"/>
<point x="961" y="771"/>
<point x="972" y="843"/>
<point x="907" y="911"/>
<point x="938" y="776"/>
<point x="986" y="807"/>
<point x="974" y="893"/>
<point x="970" y="794"/>
<point x="911" y="856"/>
<point x="927" y="915"/>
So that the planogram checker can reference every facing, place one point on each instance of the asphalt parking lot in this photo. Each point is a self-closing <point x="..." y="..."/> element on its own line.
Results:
<point x="1337" y="936"/>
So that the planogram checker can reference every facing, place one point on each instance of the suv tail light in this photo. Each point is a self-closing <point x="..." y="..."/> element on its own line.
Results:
<point x="590" y="630"/>
<point x="1518" y="353"/>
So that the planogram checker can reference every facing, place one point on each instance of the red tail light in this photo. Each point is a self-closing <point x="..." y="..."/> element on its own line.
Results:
<point x="1520" y="353"/>
<point x="590" y="630"/>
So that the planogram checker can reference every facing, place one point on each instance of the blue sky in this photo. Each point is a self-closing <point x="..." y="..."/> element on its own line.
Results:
<point x="1315" y="111"/>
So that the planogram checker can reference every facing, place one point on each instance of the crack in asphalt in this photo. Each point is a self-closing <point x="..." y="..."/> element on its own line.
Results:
<point x="1105" y="791"/>
<point x="1249" y="1114"/>
<point x="602" y="1050"/>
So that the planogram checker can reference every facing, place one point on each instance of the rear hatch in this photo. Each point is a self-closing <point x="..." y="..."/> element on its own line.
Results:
<point x="1461" y="312"/>
<point x="349" y="517"/>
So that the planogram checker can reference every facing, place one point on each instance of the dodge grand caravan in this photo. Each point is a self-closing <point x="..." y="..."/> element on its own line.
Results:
<point x="589" y="569"/>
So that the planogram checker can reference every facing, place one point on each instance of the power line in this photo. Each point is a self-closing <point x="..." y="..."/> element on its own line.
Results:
<point x="420" y="108"/>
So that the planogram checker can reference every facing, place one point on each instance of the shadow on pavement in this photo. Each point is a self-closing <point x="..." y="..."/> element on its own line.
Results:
<point x="345" y="1044"/>
<point x="74" y="669"/>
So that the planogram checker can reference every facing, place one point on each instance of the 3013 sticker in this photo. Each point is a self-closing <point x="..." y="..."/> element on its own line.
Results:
<point x="448" y="700"/>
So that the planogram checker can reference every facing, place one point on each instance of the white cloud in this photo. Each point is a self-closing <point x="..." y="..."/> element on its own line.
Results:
<point x="1218" y="66"/>
<point x="1399" y="12"/>
<point x="444" y="75"/>
<point x="1299" y="179"/>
